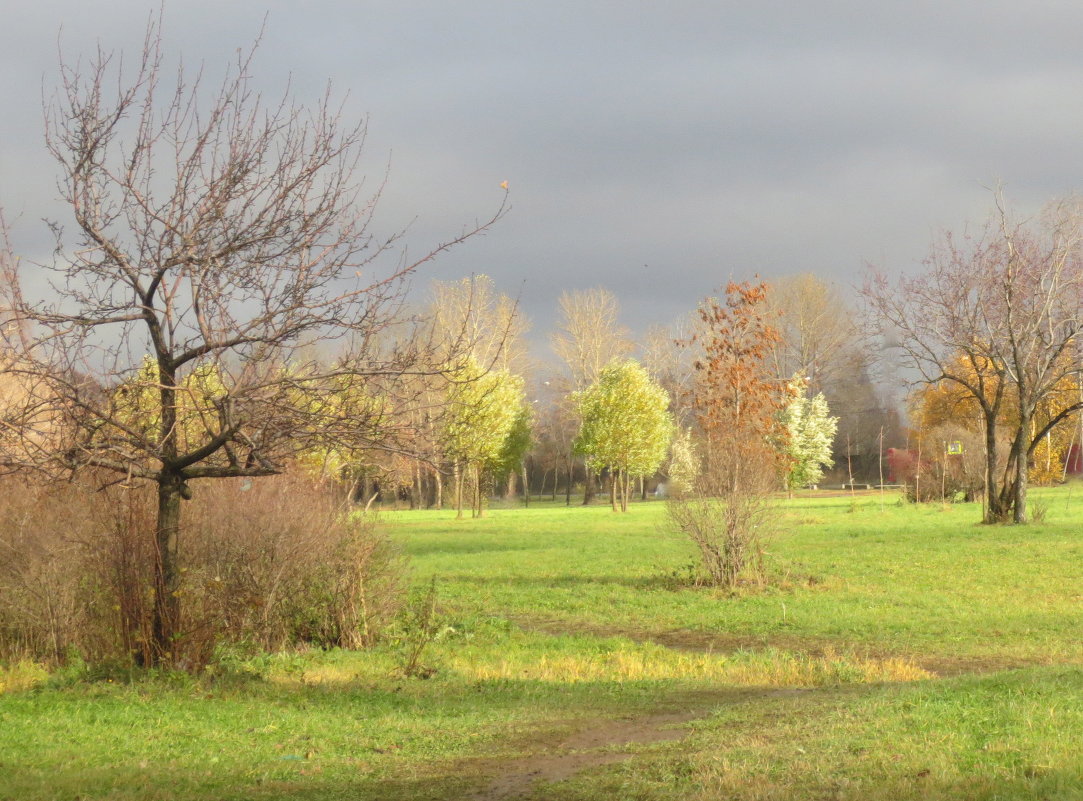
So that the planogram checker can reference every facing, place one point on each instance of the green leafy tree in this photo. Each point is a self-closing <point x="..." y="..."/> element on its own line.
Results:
<point x="626" y="426"/>
<point x="516" y="444"/>
<point x="484" y="410"/>
<point x="811" y="432"/>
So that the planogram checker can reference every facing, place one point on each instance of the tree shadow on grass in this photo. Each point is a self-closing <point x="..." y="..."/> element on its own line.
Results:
<point x="470" y="546"/>
<point x="502" y="756"/>
<point x="573" y="581"/>
<point x="393" y="768"/>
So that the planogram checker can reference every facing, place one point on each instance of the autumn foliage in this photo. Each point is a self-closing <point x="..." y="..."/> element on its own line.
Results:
<point x="739" y="404"/>
<point x="949" y="405"/>
<point x="738" y="399"/>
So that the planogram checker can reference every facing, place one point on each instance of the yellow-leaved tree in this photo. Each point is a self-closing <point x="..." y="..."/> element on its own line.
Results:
<point x="626" y="426"/>
<point x="485" y="410"/>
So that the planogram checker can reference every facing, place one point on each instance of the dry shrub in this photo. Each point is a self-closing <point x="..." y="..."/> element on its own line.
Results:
<point x="270" y="563"/>
<point x="728" y="518"/>
<point x="278" y="562"/>
<point x="939" y="476"/>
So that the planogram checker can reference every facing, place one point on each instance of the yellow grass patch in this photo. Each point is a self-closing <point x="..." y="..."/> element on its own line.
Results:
<point x="770" y="668"/>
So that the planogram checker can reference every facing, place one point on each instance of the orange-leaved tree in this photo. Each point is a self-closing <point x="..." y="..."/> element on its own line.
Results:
<point x="738" y="402"/>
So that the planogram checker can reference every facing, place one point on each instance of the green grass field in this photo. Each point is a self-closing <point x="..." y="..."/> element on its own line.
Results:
<point x="899" y="652"/>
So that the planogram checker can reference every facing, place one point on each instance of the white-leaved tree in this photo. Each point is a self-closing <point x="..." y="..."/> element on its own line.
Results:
<point x="683" y="464"/>
<point x="626" y="426"/>
<point x="811" y="432"/>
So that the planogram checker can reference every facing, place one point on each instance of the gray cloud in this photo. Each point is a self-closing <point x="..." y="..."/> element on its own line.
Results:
<point x="657" y="149"/>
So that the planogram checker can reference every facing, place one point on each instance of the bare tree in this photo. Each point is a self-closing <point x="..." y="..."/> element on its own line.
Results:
<point x="14" y="331"/>
<point x="671" y="363"/>
<point x="220" y="243"/>
<point x="589" y="335"/>
<point x="998" y="316"/>
<point x="470" y="315"/>
<point x="821" y="340"/>
<point x="817" y="329"/>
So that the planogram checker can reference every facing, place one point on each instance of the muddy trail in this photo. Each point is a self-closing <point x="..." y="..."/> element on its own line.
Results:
<point x="603" y="742"/>
<point x="589" y="748"/>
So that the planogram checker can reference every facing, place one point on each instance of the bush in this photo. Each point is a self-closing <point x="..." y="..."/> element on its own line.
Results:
<point x="728" y="533"/>
<point x="939" y="476"/>
<point x="269" y="564"/>
<point x="729" y="514"/>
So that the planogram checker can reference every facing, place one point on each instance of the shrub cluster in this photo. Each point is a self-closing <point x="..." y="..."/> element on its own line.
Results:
<point x="267" y="564"/>
<point x="932" y="474"/>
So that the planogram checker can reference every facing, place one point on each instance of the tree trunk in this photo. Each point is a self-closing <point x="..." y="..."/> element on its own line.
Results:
<point x="526" y="486"/>
<point x="413" y="493"/>
<point x="994" y="511"/>
<point x="1019" y="482"/>
<point x="418" y="502"/>
<point x="510" y="492"/>
<point x="438" y="478"/>
<point x="613" y="489"/>
<point x="458" y="492"/>
<point x="588" y="486"/>
<point x="164" y="627"/>
<point x="171" y="488"/>
<point x="479" y="509"/>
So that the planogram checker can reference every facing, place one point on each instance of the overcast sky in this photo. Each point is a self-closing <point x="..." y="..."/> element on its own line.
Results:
<point x="657" y="149"/>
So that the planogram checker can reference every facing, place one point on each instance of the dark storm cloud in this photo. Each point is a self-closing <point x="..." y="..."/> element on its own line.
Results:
<point x="657" y="149"/>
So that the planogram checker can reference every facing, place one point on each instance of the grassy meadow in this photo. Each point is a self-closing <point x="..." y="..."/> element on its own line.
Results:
<point x="896" y="652"/>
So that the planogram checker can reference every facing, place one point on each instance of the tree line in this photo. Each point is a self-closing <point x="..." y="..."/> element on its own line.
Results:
<point x="223" y="309"/>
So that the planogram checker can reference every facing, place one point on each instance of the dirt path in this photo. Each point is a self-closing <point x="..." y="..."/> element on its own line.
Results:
<point x="597" y="743"/>
<point x="591" y="747"/>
